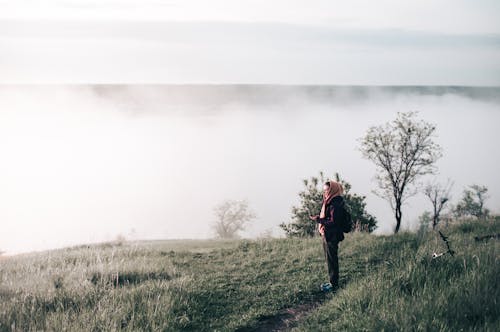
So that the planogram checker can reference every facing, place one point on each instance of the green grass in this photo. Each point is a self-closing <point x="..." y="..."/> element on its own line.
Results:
<point x="413" y="292"/>
<point x="387" y="283"/>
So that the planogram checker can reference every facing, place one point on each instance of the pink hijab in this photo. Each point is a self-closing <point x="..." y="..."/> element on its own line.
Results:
<point x="336" y="189"/>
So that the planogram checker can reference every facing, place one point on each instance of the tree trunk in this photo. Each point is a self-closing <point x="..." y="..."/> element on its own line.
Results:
<point x="398" y="216"/>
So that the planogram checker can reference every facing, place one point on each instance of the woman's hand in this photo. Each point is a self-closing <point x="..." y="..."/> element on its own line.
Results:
<point x="321" y="229"/>
<point x="313" y="218"/>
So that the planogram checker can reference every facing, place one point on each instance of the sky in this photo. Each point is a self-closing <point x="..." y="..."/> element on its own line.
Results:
<point x="428" y="42"/>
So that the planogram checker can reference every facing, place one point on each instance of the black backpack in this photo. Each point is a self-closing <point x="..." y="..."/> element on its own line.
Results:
<point x="343" y="216"/>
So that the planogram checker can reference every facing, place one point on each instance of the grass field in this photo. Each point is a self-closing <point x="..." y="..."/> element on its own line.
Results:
<point x="387" y="283"/>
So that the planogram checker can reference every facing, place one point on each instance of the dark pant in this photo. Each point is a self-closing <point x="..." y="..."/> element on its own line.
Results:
<point x="331" y="249"/>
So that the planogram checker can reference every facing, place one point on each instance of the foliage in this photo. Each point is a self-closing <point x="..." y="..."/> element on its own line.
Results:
<point x="311" y="199"/>
<point x="439" y="195"/>
<point x="472" y="203"/>
<point x="362" y="220"/>
<point x="231" y="217"/>
<point x="403" y="150"/>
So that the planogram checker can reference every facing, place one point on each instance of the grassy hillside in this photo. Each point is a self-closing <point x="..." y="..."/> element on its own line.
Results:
<point x="388" y="282"/>
<point x="410" y="291"/>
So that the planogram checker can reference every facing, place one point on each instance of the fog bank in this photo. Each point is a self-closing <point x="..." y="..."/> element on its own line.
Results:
<point x="86" y="163"/>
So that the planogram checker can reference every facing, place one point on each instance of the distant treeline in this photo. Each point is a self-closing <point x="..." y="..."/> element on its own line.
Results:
<point x="263" y="94"/>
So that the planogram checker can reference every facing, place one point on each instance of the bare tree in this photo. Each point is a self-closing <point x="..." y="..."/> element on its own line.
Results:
<point x="403" y="150"/>
<point x="231" y="217"/>
<point x="439" y="195"/>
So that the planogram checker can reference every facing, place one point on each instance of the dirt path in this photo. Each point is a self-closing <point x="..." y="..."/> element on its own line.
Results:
<point x="286" y="319"/>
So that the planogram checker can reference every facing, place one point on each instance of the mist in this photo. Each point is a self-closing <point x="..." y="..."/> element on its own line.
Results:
<point x="86" y="163"/>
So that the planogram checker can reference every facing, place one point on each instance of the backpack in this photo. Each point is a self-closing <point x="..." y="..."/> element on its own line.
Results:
<point x="344" y="217"/>
<point x="347" y="225"/>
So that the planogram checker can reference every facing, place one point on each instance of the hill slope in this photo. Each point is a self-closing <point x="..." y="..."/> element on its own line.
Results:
<point x="387" y="282"/>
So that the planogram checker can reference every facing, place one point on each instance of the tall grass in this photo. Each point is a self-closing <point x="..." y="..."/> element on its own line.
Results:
<point x="413" y="292"/>
<point x="387" y="283"/>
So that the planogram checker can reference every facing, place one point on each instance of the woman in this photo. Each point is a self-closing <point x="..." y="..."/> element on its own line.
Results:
<point x="331" y="232"/>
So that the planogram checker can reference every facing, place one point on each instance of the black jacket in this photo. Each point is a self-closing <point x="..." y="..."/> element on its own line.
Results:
<point x="333" y="230"/>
